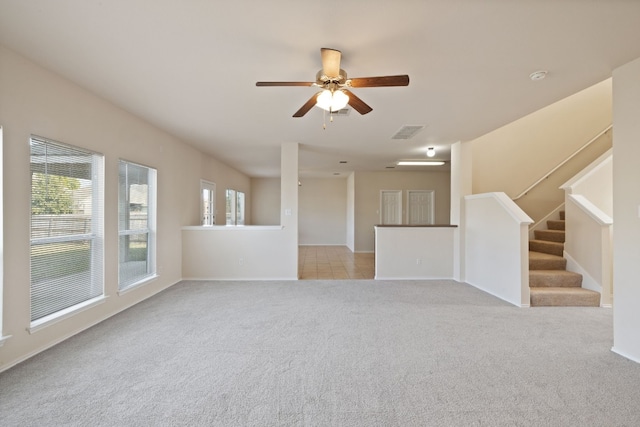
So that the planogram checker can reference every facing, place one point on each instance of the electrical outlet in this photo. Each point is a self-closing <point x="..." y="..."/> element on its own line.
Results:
<point x="240" y="261"/>
<point x="418" y="261"/>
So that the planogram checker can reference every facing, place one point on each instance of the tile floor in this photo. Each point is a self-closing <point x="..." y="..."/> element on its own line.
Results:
<point x="334" y="262"/>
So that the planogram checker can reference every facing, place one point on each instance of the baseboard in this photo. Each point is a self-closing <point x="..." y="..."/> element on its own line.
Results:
<point x="588" y="282"/>
<point x="623" y="354"/>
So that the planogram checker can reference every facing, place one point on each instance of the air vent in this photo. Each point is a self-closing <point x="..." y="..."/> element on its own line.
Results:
<point x="407" y="131"/>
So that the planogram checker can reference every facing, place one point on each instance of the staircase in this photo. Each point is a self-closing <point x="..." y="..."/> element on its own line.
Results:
<point x="550" y="283"/>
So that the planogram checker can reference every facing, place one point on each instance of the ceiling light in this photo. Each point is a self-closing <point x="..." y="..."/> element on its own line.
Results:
<point x="419" y="163"/>
<point x="431" y="151"/>
<point x="332" y="100"/>
<point x="538" y="75"/>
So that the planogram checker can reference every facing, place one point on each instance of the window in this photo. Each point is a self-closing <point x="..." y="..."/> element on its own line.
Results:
<point x="66" y="229"/>
<point x="207" y="202"/>
<point x="136" y="224"/>
<point x="235" y="207"/>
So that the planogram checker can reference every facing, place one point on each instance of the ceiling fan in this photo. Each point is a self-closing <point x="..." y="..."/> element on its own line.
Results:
<point x="335" y="94"/>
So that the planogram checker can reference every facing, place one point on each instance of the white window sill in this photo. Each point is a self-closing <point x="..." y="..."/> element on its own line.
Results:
<point x="3" y="339"/>
<point x="137" y="284"/>
<point x="49" y="320"/>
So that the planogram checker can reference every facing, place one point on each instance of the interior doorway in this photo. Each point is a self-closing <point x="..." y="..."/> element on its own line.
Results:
<point x="391" y="207"/>
<point x="420" y="207"/>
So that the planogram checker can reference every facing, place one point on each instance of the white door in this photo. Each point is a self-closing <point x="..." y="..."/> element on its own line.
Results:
<point x="391" y="207"/>
<point x="420" y="207"/>
<point x="207" y="202"/>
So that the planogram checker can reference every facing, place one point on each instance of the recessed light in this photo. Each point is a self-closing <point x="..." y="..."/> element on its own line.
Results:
<point x="419" y="163"/>
<point x="538" y="75"/>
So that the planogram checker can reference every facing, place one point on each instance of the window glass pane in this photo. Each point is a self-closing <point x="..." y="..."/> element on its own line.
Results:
<point x="134" y="252"/>
<point x="231" y="207"/>
<point x="240" y="208"/>
<point x="66" y="227"/>
<point x="136" y="222"/>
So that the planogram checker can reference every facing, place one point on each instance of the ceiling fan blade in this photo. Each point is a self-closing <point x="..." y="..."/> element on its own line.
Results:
<point x="358" y="104"/>
<point x="330" y="61"/>
<point x="401" y="80"/>
<point x="285" y="83"/>
<point x="307" y="106"/>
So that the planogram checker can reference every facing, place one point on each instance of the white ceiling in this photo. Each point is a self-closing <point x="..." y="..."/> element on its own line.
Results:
<point x="190" y="67"/>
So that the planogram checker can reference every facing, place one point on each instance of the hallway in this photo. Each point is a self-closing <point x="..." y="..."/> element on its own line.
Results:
<point x="334" y="262"/>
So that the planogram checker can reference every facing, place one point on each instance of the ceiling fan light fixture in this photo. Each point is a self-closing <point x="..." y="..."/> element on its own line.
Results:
<point x="332" y="101"/>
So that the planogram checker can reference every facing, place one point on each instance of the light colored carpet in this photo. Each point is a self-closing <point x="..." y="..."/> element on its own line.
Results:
<point x="330" y="353"/>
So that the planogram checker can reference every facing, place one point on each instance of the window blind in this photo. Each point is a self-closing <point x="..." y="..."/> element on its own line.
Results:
<point x="66" y="227"/>
<point x="136" y="223"/>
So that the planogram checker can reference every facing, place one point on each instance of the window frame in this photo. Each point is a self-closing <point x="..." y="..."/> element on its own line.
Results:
<point x="95" y="237"/>
<point x="235" y="209"/>
<point x="149" y="230"/>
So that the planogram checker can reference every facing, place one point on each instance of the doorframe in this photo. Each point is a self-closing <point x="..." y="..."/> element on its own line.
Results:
<point x="204" y="184"/>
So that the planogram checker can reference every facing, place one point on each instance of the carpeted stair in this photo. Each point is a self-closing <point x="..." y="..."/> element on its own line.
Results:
<point x="549" y="282"/>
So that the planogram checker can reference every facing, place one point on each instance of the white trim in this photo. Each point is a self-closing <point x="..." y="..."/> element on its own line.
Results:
<point x="509" y="205"/>
<point x="590" y="209"/>
<point x="3" y="339"/>
<point x="137" y="284"/>
<point x="240" y="279"/>
<point x="56" y="317"/>
<point x="625" y="355"/>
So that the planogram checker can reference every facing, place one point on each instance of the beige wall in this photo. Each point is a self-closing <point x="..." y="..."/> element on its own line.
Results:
<point x="367" y="199"/>
<point x="323" y="211"/>
<point x="514" y="156"/>
<point x="36" y="101"/>
<point x="265" y="201"/>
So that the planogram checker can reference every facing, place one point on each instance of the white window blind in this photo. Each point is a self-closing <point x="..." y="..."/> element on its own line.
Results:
<point x="136" y="223"/>
<point x="66" y="227"/>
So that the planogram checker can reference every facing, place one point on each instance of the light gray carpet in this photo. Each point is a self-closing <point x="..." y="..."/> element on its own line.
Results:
<point x="330" y="353"/>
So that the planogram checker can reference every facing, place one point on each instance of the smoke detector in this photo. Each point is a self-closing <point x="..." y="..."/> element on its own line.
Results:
<point x="538" y="75"/>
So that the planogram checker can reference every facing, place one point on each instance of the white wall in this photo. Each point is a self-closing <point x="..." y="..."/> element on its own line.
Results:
<point x="626" y="205"/>
<point x="323" y="211"/>
<point x="367" y="199"/>
<point x="595" y="183"/>
<point x="36" y="101"/>
<point x="265" y="201"/>
<point x="414" y="253"/>
<point x="497" y="247"/>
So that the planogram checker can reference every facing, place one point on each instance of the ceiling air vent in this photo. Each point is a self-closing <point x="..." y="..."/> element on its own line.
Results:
<point x="407" y="131"/>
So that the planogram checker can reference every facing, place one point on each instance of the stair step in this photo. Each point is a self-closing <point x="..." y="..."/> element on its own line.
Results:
<point x="553" y="248"/>
<point x="562" y="215"/>
<point x="544" y="261"/>
<point x="550" y="235"/>
<point x="556" y="224"/>
<point x="564" y="297"/>
<point x="554" y="279"/>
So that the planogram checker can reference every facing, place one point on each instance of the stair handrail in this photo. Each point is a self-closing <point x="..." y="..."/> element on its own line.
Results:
<point x="575" y="153"/>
